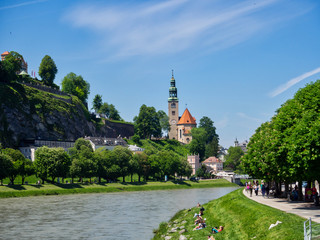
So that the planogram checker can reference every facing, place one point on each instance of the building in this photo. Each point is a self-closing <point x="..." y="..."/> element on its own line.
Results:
<point x="194" y="161"/>
<point x="106" y="143"/>
<point x="135" y="149"/>
<point x="180" y="127"/>
<point x="24" y="64"/>
<point x="173" y="109"/>
<point x="213" y="164"/>
<point x="242" y="145"/>
<point x="184" y="126"/>
<point x="29" y="146"/>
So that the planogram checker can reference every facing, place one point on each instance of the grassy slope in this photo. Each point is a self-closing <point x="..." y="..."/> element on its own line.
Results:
<point x="55" y="189"/>
<point x="242" y="219"/>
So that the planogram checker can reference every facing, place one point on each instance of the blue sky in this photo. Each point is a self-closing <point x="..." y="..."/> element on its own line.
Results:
<point x="234" y="61"/>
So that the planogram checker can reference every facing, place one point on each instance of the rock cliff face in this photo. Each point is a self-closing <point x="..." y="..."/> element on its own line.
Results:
<point x="27" y="112"/>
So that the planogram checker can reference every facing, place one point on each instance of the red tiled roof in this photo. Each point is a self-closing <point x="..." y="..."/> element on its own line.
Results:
<point x="212" y="160"/>
<point x="5" y="53"/>
<point x="187" y="118"/>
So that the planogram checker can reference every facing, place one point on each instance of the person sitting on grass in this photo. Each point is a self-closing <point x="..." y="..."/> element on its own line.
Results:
<point x="217" y="230"/>
<point x="200" y="226"/>
<point x="198" y="220"/>
<point x="211" y="238"/>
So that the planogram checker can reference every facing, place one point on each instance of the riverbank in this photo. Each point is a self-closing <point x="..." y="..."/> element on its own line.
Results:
<point x="241" y="217"/>
<point x="7" y="191"/>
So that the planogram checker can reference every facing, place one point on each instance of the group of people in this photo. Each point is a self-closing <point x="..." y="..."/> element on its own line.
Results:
<point x="200" y="222"/>
<point x="255" y="186"/>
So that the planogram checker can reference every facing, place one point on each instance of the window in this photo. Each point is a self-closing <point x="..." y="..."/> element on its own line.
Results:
<point x="173" y="105"/>
<point x="180" y="133"/>
<point x="173" y="112"/>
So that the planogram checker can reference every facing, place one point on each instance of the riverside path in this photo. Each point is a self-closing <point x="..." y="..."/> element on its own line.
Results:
<point x="304" y="209"/>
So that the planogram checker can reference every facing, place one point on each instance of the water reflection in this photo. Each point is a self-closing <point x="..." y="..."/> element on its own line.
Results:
<point x="130" y="215"/>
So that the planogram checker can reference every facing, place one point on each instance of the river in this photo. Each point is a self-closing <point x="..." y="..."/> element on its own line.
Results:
<point x="128" y="215"/>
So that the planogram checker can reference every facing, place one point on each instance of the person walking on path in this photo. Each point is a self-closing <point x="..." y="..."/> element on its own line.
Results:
<point x="263" y="189"/>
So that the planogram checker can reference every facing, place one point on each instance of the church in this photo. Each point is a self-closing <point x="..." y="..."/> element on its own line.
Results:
<point x="180" y="127"/>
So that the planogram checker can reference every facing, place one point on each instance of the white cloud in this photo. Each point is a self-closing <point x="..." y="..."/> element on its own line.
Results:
<point x="22" y="4"/>
<point x="293" y="82"/>
<point x="172" y="26"/>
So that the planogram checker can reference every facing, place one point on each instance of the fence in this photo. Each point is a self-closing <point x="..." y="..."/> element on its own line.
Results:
<point x="311" y="230"/>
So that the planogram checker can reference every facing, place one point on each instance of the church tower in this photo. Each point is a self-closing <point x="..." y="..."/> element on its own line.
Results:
<point x="173" y="109"/>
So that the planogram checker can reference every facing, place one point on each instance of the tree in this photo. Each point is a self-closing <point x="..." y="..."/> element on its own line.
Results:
<point x="185" y="168"/>
<point x="164" y="121"/>
<point x="77" y="86"/>
<point x="17" y="159"/>
<point x="97" y="102"/>
<point x="51" y="162"/>
<point x="82" y="142"/>
<point x="212" y="141"/>
<point x="10" y="66"/>
<point x="122" y="157"/>
<point x="84" y="164"/>
<point x="198" y="143"/>
<point x="114" y="113"/>
<point x="47" y="70"/>
<point x="147" y="123"/>
<point x="41" y="162"/>
<point x="207" y="124"/>
<point x="202" y="172"/>
<point x="233" y="158"/>
<point x="5" y="166"/>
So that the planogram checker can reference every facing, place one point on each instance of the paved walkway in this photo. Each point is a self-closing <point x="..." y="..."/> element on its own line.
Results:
<point x="303" y="209"/>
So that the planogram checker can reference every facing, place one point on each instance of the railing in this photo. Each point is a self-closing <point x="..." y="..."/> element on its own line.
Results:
<point x="311" y="230"/>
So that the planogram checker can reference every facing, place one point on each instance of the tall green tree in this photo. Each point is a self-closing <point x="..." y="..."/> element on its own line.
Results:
<point x="212" y="141"/>
<point x="122" y="157"/>
<point x="10" y="67"/>
<point x="97" y="102"/>
<point x="164" y="121"/>
<point x="5" y="166"/>
<point x="17" y="159"/>
<point x="51" y="162"/>
<point x="77" y="86"/>
<point x="47" y="70"/>
<point x="147" y="123"/>
<point x="198" y="143"/>
<point x="233" y="158"/>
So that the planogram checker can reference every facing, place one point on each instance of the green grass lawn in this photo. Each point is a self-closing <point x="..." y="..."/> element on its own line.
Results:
<point x="55" y="189"/>
<point x="242" y="218"/>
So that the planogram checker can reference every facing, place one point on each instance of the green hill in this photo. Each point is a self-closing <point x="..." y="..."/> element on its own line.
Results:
<point x="40" y="112"/>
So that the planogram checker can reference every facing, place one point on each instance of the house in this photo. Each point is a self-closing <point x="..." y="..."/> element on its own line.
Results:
<point x="106" y="143"/>
<point x="135" y="149"/>
<point x="29" y="146"/>
<point x="213" y="164"/>
<point x="194" y="161"/>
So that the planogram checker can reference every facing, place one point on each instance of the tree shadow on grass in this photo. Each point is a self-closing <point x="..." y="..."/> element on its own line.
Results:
<point x="134" y="183"/>
<point x="181" y="182"/>
<point x="17" y="187"/>
<point x="69" y="185"/>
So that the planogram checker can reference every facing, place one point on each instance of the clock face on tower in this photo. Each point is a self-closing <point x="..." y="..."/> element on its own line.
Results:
<point x="173" y="122"/>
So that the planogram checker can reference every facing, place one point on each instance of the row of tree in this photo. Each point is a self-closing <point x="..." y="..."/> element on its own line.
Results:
<point x="13" y="164"/>
<point x="83" y="162"/>
<point x="287" y="148"/>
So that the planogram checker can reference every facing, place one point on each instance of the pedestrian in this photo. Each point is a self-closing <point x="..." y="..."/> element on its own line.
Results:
<point x="267" y="190"/>
<point x="256" y="188"/>
<point x="250" y="189"/>
<point x="263" y="189"/>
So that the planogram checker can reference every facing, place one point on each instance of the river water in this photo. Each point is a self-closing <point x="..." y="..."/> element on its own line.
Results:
<point x="128" y="215"/>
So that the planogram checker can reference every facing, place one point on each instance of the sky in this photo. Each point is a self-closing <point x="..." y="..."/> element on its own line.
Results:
<point x="234" y="61"/>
